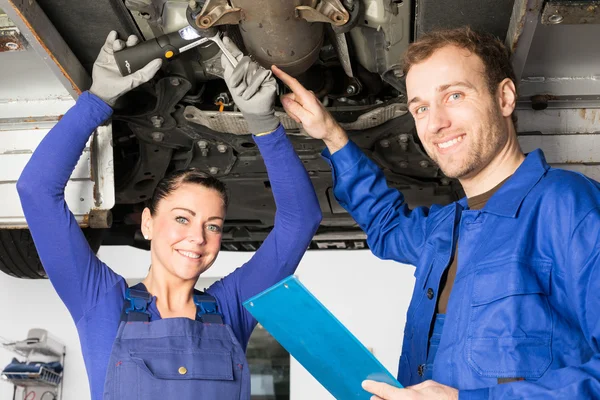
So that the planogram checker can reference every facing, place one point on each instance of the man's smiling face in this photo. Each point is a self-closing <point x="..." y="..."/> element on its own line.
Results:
<point x="458" y="120"/>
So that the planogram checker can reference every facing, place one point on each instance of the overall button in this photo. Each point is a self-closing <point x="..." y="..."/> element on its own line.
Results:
<point x="421" y="370"/>
<point x="182" y="370"/>
<point x="430" y="293"/>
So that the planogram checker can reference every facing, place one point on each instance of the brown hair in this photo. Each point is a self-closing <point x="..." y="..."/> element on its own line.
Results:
<point x="177" y="178"/>
<point x="494" y="54"/>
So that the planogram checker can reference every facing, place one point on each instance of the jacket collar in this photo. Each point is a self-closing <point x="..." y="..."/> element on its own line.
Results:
<point x="508" y="199"/>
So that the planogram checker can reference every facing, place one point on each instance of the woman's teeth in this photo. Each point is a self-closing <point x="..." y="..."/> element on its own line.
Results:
<point x="189" y="254"/>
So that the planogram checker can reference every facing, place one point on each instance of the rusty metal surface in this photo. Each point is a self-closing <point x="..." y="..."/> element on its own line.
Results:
<point x="273" y="35"/>
<point x="571" y="12"/>
<point x="218" y="12"/>
<point x="45" y="40"/>
<point x="11" y="40"/>
<point x="100" y="219"/>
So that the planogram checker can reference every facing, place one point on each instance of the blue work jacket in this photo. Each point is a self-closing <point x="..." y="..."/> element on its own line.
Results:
<point x="525" y="304"/>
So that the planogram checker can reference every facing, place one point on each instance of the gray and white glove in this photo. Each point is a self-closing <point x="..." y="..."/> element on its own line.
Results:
<point x="253" y="89"/>
<point x="107" y="82"/>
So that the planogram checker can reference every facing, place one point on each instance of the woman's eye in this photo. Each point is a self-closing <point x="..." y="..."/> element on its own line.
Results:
<point x="181" y="220"/>
<point x="214" y="228"/>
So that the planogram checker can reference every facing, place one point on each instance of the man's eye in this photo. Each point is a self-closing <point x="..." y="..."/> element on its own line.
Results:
<point x="455" y="96"/>
<point x="421" y="109"/>
<point x="181" y="220"/>
<point x="214" y="228"/>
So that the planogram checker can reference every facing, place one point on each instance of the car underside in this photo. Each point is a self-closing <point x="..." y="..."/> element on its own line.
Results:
<point x="348" y="53"/>
<point x="187" y="119"/>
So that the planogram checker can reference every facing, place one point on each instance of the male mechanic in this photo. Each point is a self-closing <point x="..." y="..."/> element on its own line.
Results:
<point x="507" y="297"/>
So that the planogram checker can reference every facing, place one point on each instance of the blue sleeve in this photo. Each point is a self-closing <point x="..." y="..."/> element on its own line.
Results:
<point x="393" y="231"/>
<point x="297" y="218"/>
<point x="78" y="276"/>
<point x="582" y="267"/>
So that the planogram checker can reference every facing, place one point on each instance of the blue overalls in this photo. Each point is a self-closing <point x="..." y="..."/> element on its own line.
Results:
<point x="175" y="358"/>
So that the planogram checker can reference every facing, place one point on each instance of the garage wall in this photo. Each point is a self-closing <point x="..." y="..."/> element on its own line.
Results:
<point x="337" y="278"/>
<point x="26" y="304"/>
<point x="369" y="296"/>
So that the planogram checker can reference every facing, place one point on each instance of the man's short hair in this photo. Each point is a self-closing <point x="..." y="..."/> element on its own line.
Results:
<point x="494" y="54"/>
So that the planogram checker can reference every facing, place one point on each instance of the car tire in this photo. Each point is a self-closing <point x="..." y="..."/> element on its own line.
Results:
<point x="18" y="255"/>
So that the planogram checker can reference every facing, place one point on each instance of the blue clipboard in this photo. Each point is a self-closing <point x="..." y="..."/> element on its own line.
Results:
<point x="317" y="339"/>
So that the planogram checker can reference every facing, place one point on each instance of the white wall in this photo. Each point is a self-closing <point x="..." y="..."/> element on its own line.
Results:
<point x="369" y="296"/>
<point x="335" y="277"/>
<point x="26" y="304"/>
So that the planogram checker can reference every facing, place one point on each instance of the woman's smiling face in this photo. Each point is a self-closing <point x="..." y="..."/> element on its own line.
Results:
<point x="185" y="230"/>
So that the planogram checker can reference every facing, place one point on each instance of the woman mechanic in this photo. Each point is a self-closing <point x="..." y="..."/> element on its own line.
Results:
<point x="161" y="339"/>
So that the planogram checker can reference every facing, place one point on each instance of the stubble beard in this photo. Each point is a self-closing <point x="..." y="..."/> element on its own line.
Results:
<point x="483" y="149"/>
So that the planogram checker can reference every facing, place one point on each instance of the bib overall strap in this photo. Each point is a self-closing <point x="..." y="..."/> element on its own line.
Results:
<point x="135" y="307"/>
<point x="207" y="310"/>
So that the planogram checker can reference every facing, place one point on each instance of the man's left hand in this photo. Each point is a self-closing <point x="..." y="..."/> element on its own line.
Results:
<point x="428" y="390"/>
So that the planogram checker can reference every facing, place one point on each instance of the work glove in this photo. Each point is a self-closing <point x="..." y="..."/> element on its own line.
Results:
<point x="253" y="89"/>
<point x="107" y="82"/>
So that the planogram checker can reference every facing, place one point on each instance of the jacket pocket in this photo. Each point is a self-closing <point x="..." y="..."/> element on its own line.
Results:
<point x="510" y="327"/>
<point x="509" y="357"/>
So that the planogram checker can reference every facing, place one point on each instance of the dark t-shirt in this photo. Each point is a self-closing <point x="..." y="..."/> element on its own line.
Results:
<point x="474" y="203"/>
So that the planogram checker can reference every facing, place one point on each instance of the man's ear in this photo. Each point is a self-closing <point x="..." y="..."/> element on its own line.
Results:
<point x="507" y="97"/>
<point x="147" y="224"/>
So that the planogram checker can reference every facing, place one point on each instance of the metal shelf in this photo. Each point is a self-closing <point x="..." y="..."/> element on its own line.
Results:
<point x="43" y="377"/>
<point x="39" y="347"/>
